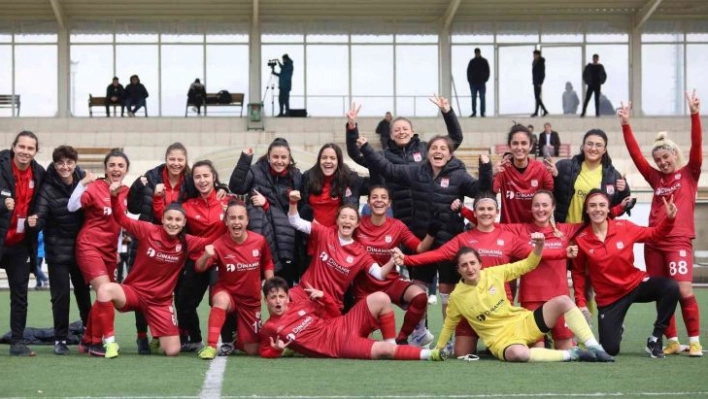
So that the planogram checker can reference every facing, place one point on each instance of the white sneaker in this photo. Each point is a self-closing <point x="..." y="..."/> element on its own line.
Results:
<point x="433" y="300"/>
<point x="421" y="339"/>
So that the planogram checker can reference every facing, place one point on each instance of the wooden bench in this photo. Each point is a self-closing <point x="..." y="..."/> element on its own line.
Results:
<point x="91" y="158"/>
<point x="11" y="101"/>
<point x="101" y="102"/>
<point x="236" y="101"/>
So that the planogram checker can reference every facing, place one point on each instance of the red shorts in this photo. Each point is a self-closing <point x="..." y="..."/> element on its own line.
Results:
<point x="464" y="329"/>
<point x="160" y="317"/>
<point x="348" y="335"/>
<point x="671" y="258"/>
<point x="560" y="330"/>
<point x="92" y="266"/>
<point x="395" y="289"/>
<point x="248" y="319"/>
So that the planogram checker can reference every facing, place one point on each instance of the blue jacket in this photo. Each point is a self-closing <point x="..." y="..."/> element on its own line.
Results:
<point x="40" y="245"/>
<point x="285" y="76"/>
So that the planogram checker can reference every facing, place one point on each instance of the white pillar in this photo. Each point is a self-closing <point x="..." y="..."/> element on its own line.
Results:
<point x="254" y="55"/>
<point x="64" y="75"/>
<point x="445" y="65"/>
<point x="635" y="71"/>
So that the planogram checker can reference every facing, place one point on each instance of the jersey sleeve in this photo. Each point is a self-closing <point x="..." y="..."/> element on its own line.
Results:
<point x="408" y="238"/>
<point x="636" y="154"/>
<point x="514" y="270"/>
<point x="196" y="244"/>
<point x="140" y="230"/>
<point x="266" y="258"/>
<point x="695" y="156"/>
<point x="158" y="207"/>
<point x="548" y="182"/>
<point x="468" y="214"/>
<point x="452" y="318"/>
<point x="265" y="350"/>
<point x="327" y="307"/>
<point x="655" y="234"/>
<point x="577" y="274"/>
<point x="445" y="253"/>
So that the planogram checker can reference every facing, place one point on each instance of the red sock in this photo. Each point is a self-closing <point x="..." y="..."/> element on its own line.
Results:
<point x="670" y="331"/>
<point x="216" y="321"/>
<point x="91" y="333"/>
<point x="105" y="320"/>
<point x="405" y="352"/>
<point x="414" y="314"/>
<point x="691" y="316"/>
<point x="387" y="322"/>
<point x="142" y="335"/>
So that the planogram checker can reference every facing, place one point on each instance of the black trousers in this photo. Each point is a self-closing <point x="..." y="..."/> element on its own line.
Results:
<point x="110" y="102"/>
<point x="537" y="94"/>
<point x="191" y="288"/>
<point x="60" y="275"/>
<point x="284" y="101"/>
<point x="589" y="93"/>
<point x="661" y="290"/>
<point x="15" y="261"/>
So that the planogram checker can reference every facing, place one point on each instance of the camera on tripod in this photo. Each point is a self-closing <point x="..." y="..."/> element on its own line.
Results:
<point x="272" y="63"/>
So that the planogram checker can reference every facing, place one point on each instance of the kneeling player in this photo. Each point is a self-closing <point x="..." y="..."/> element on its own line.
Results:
<point x="241" y="256"/>
<point x="314" y="328"/>
<point x="507" y="330"/>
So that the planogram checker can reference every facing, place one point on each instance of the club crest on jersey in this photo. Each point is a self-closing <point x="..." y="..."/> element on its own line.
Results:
<point x="677" y="176"/>
<point x="388" y="239"/>
<point x="198" y="217"/>
<point x="620" y="245"/>
<point x="610" y="188"/>
<point x="31" y="183"/>
<point x="592" y="251"/>
<point x="534" y="183"/>
<point x="221" y="216"/>
<point x="510" y="195"/>
<point x="445" y="182"/>
<point x="492" y="290"/>
<point x="301" y="313"/>
<point x="500" y="242"/>
<point x="417" y="157"/>
<point x="256" y="253"/>
<point x="107" y="211"/>
<point x="350" y="259"/>
<point x="682" y="253"/>
<point x="151" y="252"/>
<point x="178" y="248"/>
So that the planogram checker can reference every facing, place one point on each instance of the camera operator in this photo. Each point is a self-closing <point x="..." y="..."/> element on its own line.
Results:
<point x="285" y="78"/>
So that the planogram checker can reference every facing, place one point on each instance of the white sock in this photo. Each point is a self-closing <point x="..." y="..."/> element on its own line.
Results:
<point x="108" y="340"/>
<point x="653" y="339"/>
<point x="425" y="354"/>
<point x="673" y="339"/>
<point x="567" y="356"/>
<point x="693" y="339"/>
<point x="592" y="343"/>
<point x="390" y="341"/>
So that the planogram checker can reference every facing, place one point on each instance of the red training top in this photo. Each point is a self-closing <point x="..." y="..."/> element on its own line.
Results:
<point x="517" y="190"/>
<point x="100" y="231"/>
<point x="24" y="190"/>
<point x="171" y="194"/>
<point x="205" y="218"/>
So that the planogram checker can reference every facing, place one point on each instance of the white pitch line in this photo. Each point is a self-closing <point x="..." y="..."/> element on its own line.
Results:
<point x="211" y="389"/>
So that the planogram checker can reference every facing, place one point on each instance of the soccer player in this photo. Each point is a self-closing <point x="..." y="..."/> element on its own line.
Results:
<point x="314" y="328"/>
<point x="97" y="243"/>
<point x="605" y="250"/>
<point x="673" y="256"/>
<point x="507" y="330"/>
<point x="379" y="235"/>
<point x="148" y="288"/>
<point x="242" y="257"/>
<point x="338" y="258"/>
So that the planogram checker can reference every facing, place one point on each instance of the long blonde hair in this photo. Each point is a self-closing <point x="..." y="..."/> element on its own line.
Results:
<point x="662" y="142"/>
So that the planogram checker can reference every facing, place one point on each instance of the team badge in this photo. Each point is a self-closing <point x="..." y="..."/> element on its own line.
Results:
<point x="682" y="253"/>
<point x="500" y="243"/>
<point x="620" y="245"/>
<point x="677" y="176"/>
<point x="492" y="290"/>
<point x="198" y="217"/>
<point x="301" y="313"/>
<point x="348" y="192"/>
<point x="31" y="183"/>
<point x="350" y="259"/>
<point x="510" y="195"/>
<point x="178" y="248"/>
<point x="610" y="188"/>
<point x="417" y="157"/>
<point x="388" y="239"/>
<point x="592" y="251"/>
<point x="445" y="182"/>
<point x="256" y="253"/>
<point x="534" y="183"/>
<point x="221" y="216"/>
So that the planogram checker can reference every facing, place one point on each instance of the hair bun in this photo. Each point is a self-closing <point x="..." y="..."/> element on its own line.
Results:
<point x="661" y="136"/>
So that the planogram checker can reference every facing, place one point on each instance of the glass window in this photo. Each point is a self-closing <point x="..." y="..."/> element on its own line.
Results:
<point x="39" y="96"/>
<point x="327" y="75"/>
<point x="561" y="38"/>
<point x="227" y="69"/>
<point x="416" y="38"/>
<point x="515" y="84"/>
<point x="227" y="38"/>
<point x="282" y="38"/>
<point x="517" y="38"/>
<point x="372" y="38"/>
<point x="136" y="38"/>
<point x="140" y="60"/>
<point x="563" y="64"/>
<point x="416" y="80"/>
<point x="607" y="38"/>
<point x="82" y="38"/>
<point x="615" y="59"/>
<point x="182" y="38"/>
<point x="5" y="38"/>
<point x="372" y="71"/>
<point x="36" y="38"/>
<point x="662" y="37"/>
<point x="461" y="56"/>
<point x="5" y="75"/>
<point x="327" y="38"/>
<point x="91" y="73"/>
<point x="662" y="79"/>
<point x="696" y="60"/>
<point x="296" y="52"/>
<point x="472" y="39"/>
<point x="181" y="65"/>
<point x="697" y="37"/>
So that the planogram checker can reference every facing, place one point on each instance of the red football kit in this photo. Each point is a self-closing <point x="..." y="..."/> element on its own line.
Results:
<point x="517" y="190"/>
<point x="24" y="190"/>
<point x="379" y="241"/>
<point x="97" y="242"/>
<point x="172" y="194"/>
<point x="205" y="218"/>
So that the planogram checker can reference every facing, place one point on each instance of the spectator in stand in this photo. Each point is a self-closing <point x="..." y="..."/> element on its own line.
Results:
<point x="477" y="76"/>
<point x="548" y="142"/>
<point x="135" y="95"/>
<point x="383" y="129"/>
<point x="594" y="76"/>
<point x="20" y="182"/>
<point x="538" y="74"/>
<point x="534" y="142"/>
<point x="42" y="280"/>
<point x="196" y="96"/>
<point x="606" y="107"/>
<point x="570" y="100"/>
<point x="115" y="96"/>
<point x="285" y="84"/>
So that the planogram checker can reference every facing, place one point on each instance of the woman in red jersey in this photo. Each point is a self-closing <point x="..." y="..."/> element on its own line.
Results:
<point x="337" y="258"/>
<point x="673" y="256"/>
<point x="243" y="258"/>
<point x="205" y="215"/>
<point x="148" y="288"/>
<point x="379" y="235"/>
<point x="605" y="250"/>
<point x="97" y="243"/>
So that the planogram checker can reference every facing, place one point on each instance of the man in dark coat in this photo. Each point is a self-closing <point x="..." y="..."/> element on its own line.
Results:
<point x="114" y="96"/>
<point x="548" y="142"/>
<point x="538" y="74"/>
<point x="135" y="95"/>
<point x="477" y="77"/>
<point x="383" y="129"/>
<point x="594" y="76"/>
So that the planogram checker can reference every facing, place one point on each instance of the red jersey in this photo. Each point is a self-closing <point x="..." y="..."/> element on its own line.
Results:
<point x="172" y="194"/>
<point x="324" y="206"/>
<point x="334" y="266"/>
<point x="379" y="241"/>
<point x="682" y="184"/>
<point x="241" y="266"/>
<point x="303" y="324"/>
<point x="611" y="263"/>
<point x="100" y="231"/>
<point x="159" y="257"/>
<point x="205" y="218"/>
<point x="24" y="191"/>
<point x="517" y="190"/>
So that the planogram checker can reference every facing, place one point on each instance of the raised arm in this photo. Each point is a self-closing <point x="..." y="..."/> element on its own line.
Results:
<point x="136" y="195"/>
<point x="294" y="218"/>
<point x="630" y="141"/>
<point x="75" y="203"/>
<point x="241" y="179"/>
<point x="139" y="230"/>
<point x="379" y="164"/>
<point x="695" y="157"/>
<point x="452" y="319"/>
<point x="454" y="130"/>
<point x="514" y="270"/>
<point x="352" y="135"/>
<point x="471" y="187"/>
<point x="658" y="233"/>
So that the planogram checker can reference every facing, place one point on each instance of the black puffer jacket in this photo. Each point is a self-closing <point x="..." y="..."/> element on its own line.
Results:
<point x="415" y="152"/>
<point x="433" y="195"/>
<point x="7" y="190"/>
<point x="564" y="183"/>
<point x="272" y="223"/>
<point x="140" y="195"/>
<point x="357" y="187"/>
<point x="60" y="226"/>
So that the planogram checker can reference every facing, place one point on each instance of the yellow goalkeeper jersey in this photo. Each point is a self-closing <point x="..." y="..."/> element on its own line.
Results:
<point x="485" y="305"/>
